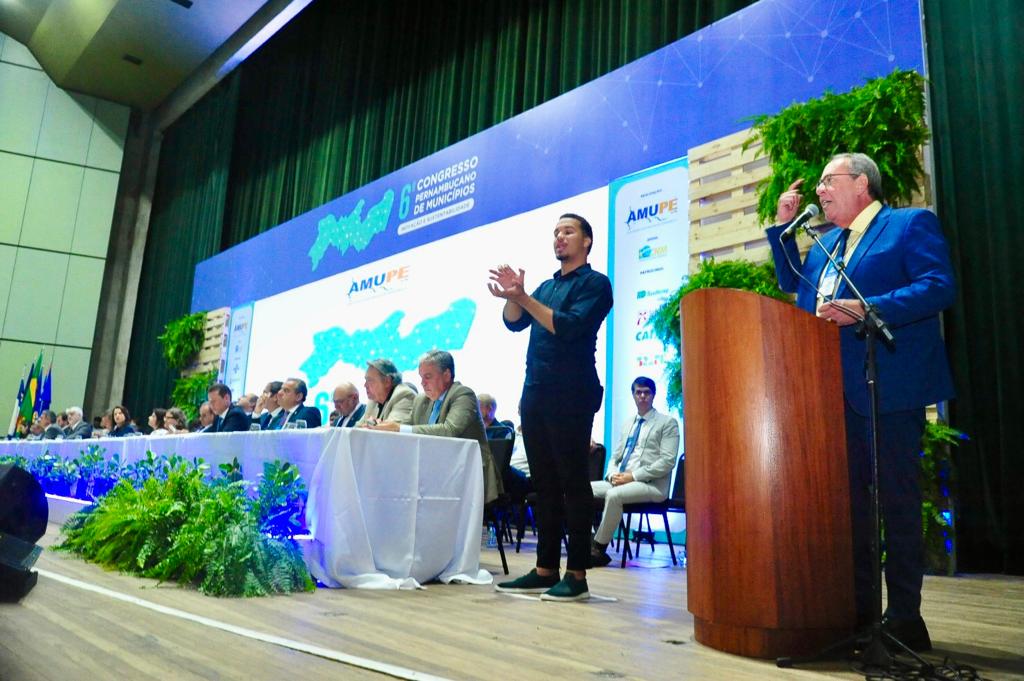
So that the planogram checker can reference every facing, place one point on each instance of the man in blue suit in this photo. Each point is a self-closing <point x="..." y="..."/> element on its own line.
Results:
<point x="290" y="398"/>
<point x="899" y="261"/>
<point x="229" y="417"/>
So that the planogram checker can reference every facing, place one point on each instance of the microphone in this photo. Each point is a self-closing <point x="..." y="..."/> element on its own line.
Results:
<point x="810" y="212"/>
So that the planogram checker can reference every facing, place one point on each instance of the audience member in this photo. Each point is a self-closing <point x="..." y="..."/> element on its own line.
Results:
<point x="248" y="403"/>
<point x="291" y="397"/>
<point x="106" y="425"/>
<point x="517" y="477"/>
<point x="78" y="428"/>
<point x="390" y="399"/>
<point x="229" y="418"/>
<point x="51" y="431"/>
<point x="448" y="409"/>
<point x="346" y="403"/>
<point x="122" y="423"/>
<point x="495" y="429"/>
<point x="641" y="467"/>
<point x="156" y="422"/>
<point x="206" y="418"/>
<point x="175" y="421"/>
<point x="267" y="407"/>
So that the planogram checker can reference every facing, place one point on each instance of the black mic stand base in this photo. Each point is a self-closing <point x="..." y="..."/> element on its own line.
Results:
<point x="866" y="647"/>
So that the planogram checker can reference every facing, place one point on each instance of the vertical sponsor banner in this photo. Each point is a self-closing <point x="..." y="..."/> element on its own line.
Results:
<point x="649" y="252"/>
<point x="237" y="359"/>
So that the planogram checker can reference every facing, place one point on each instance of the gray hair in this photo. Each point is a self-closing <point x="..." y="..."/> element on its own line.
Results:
<point x="75" y="410"/>
<point x="388" y="369"/>
<point x="486" y="400"/>
<point x="441" y="359"/>
<point x="861" y="164"/>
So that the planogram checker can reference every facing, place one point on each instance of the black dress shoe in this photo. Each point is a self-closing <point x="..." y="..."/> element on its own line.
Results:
<point x="599" y="560"/>
<point x="910" y="632"/>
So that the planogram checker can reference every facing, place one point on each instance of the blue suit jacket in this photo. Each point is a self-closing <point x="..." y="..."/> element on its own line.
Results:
<point x="235" y="421"/>
<point x="311" y="415"/>
<point x="902" y="268"/>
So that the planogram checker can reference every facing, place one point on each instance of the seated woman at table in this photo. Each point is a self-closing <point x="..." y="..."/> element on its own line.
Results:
<point x="156" y="421"/>
<point x="175" y="422"/>
<point x="122" y="422"/>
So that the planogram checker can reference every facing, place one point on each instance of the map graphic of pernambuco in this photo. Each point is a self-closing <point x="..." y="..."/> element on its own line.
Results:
<point x="351" y="230"/>
<point x="446" y="331"/>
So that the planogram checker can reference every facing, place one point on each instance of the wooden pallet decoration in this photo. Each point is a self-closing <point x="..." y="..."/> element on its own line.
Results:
<point x="723" y="200"/>
<point x="213" y="353"/>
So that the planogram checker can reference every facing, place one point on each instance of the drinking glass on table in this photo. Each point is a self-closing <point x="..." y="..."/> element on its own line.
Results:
<point x="301" y="423"/>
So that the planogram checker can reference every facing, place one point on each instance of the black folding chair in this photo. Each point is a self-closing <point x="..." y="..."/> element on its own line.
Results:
<point x="676" y="503"/>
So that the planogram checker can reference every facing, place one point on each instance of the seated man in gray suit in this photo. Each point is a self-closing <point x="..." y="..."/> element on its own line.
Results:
<point x="78" y="428"/>
<point x="640" y="469"/>
<point x="390" y="399"/>
<point x="51" y="431"/>
<point x="448" y="409"/>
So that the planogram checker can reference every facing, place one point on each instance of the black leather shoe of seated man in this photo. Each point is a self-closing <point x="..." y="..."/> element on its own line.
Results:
<point x="910" y="632"/>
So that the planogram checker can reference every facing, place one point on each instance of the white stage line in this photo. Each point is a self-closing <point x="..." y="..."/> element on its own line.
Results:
<point x="327" y="653"/>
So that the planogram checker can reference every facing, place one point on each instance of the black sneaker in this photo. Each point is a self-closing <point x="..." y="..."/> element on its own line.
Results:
<point x="569" y="589"/>
<point x="530" y="583"/>
<point x="599" y="559"/>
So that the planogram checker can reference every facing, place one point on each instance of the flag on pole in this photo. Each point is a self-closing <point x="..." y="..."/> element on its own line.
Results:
<point x="28" y="400"/>
<point x="46" y="394"/>
<point x="17" y="406"/>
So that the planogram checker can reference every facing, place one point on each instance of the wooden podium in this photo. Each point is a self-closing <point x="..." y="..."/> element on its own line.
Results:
<point x="767" y="489"/>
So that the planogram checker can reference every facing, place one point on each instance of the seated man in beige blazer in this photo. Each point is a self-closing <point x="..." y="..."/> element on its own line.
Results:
<point x="449" y="409"/>
<point x="389" y="398"/>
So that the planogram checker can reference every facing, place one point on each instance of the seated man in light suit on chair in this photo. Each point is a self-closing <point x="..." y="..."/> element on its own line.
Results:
<point x="346" y="402"/>
<point x="390" y="399"/>
<point x="448" y="409"/>
<point x="291" y="397"/>
<point x="641" y="468"/>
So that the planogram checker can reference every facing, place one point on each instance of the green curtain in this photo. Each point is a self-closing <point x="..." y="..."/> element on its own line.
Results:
<point x="184" y="229"/>
<point x="977" y="81"/>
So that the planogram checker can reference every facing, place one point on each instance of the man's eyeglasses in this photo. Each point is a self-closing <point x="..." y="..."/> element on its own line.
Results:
<point x="826" y="180"/>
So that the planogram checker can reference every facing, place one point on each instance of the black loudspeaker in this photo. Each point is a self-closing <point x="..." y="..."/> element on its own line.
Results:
<point x="23" y="515"/>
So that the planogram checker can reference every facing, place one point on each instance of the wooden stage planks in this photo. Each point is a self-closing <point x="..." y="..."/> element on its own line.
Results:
<point x="460" y="632"/>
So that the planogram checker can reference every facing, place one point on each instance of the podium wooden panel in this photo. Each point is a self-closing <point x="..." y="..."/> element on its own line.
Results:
<point x="767" y="489"/>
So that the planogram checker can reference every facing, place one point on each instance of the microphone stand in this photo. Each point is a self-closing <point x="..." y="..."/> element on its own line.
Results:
<point x="870" y="641"/>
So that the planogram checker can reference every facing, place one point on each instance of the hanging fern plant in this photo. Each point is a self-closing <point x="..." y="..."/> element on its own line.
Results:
<point x="883" y="118"/>
<point x="182" y="340"/>
<point x="190" y="391"/>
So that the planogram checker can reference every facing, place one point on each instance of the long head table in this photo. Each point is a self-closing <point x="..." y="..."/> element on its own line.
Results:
<point x="385" y="510"/>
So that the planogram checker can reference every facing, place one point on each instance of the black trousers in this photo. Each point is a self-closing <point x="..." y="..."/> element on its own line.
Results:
<point x="899" y="447"/>
<point x="557" y="446"/>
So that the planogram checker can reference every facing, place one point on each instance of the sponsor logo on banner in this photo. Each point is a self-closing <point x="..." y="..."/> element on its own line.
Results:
<point x="378" y="284"/>
<point x="651" y="293"/>
<point x="643" y="329"/>
<point x="652" y="270"/>
<point x="651" y="214"/>
<point x="648" y="252"/>
<point x="648" y="361"/>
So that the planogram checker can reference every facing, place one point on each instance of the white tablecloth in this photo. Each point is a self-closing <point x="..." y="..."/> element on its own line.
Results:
<point x="385" y="510"/>
<point x="392" y="510"/>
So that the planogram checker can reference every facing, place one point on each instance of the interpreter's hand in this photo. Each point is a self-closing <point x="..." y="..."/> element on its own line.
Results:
<point x="389" y="426"/>
<point x="841" y="312"/>
<point x="789" y="203"/>
<point x="621" y="478"/>
<point x="507" y="283"/>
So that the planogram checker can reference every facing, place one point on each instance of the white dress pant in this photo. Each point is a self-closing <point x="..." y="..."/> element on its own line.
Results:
<point x="614" y="497"/>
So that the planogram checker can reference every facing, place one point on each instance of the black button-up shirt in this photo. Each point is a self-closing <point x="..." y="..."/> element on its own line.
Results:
<point x="562" y="363"/>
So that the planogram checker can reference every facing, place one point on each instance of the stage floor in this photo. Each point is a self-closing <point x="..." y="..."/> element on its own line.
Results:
<point x="82" y="622"/>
